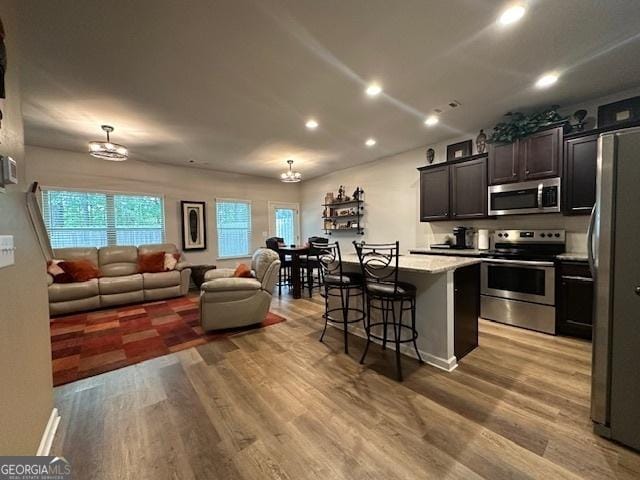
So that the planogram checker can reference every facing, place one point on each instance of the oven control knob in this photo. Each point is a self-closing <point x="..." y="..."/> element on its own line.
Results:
<point x="506" y="235"/>
<point x="542" y="235"/>
<point x="549" y="235"/>
<point x="500" y="235"/>
<point x="557" y="235"/>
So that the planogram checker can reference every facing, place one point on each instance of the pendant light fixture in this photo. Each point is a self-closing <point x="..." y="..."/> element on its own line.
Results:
<point x="108" y="150"/>
<point x="290" y="176"/>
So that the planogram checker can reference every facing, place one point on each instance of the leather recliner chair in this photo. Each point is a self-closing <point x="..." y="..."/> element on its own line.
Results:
<point x="227" y="301"/>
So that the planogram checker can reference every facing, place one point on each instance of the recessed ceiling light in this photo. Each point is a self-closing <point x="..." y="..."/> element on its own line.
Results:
<point x="512" y="15"/>
<point x="431" y="120"/>
<point x="373" y="90"/>
<point x="370" y="142"/>
<point x="546" y="80"/>
<point x="311" y="124"/>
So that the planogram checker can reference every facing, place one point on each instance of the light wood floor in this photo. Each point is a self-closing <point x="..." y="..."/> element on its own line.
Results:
<point x="276" y="403"/>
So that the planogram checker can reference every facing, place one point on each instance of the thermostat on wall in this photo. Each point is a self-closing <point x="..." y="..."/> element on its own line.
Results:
<point x="9" y="170"/>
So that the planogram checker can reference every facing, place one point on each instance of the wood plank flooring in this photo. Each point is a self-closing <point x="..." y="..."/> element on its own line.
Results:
<point x="277" y="404"/>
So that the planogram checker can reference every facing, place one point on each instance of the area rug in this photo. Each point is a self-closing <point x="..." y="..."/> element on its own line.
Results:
<point x="86" y="344"/>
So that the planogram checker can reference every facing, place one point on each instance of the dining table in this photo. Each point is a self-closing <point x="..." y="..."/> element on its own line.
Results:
<point x="295" y="251"/>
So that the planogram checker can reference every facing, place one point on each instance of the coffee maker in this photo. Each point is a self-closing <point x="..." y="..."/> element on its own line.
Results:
<point x="460" y="237"/>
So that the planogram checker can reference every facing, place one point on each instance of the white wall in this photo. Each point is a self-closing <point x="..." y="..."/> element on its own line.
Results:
<point x="391" y="186"/>
<point x="61" y="168"/>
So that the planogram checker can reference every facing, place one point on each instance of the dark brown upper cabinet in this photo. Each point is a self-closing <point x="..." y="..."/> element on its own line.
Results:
<point x="532" y="158"/>
<point x="541" y="154"/>
<point x="454" y="190"/>
<point x="469" y="189"/>
<point x="434" y="194"/>
<point x="579" y="176"/>
<point x="503" y="163"/>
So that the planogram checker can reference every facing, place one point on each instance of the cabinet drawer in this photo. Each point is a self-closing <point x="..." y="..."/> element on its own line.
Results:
<point x="575" y="269"/>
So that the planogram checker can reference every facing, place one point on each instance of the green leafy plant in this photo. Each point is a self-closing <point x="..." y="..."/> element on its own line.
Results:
<point x="520" y="125"/>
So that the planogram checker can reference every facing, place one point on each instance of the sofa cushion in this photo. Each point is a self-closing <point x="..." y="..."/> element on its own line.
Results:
<point x="230" y="284"/>
<point x="170" y="261"/>
<point x="80" y="253"/>
<point x="62" y="292"/>
<point x="127" y="283"/>
<point x="160" y="280"/>
<point x="151" y="262"/>
<point x="157" y="247"/>
<point x="80" y="270"/>
<point x="118" y="261"/>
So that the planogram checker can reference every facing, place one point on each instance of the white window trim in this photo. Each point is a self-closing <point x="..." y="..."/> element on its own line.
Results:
<point x="234" y="257"/>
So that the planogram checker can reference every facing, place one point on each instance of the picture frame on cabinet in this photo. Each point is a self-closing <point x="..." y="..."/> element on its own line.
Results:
<point x="459" y="150"/>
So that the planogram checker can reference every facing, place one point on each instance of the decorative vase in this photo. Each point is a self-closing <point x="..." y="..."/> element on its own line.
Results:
<point x="579" y="115"/>
<point x="431" y="154"/>
<point x="481" y="142"/>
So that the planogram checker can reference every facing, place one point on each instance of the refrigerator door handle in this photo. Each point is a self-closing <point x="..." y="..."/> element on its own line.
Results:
<point x="590" y="255"/>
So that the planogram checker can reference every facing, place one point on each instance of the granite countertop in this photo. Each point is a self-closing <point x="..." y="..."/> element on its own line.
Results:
<point x="467" y="252"/>
<point x="575" y="256"/>
<point x="424" y="263"/>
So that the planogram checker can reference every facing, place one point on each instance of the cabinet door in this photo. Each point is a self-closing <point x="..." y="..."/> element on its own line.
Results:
<point x="540" y="154"/>
<point x="575" y="300"/>
<point x="434" y="194"/>
<point x="469" y="189"/>
<point x="579" y="179"/>
<point x="466" y="309"/>
<point x="503" y="163"/>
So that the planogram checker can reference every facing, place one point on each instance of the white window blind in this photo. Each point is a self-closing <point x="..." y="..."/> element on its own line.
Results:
<point x="233" y="221"/>
<point x="98" y="219"/>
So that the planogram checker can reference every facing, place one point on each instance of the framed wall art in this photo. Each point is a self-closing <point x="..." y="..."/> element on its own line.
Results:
<point x="194" y="225"/>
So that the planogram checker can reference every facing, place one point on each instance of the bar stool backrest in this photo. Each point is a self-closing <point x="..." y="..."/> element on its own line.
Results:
<point x="379" y="262"/>
<point x="274" y="243"/>
<point x="313" y="251"/>
<point x="329" y="257"/>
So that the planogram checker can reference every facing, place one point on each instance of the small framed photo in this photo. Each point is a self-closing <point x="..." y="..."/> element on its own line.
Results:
<point x="459" y="150"/>
<point x="194" y="225"/>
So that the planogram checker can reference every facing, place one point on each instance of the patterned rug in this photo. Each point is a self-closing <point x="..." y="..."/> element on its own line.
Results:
<point x="86" y="344"/>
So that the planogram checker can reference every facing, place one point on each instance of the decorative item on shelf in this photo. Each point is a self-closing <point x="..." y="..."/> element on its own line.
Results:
<point x="325" y="212"/>
<point x="290" y="176"/>
<point x="521" y="125"/>
<point x="340" y="197"/>
<point x="108" y="150"/>
<point x="459" y="150"/>
<point x="194" y="225"/>
<point x="431" y="155"/>
<point x="357" y="194"/>
<point x="328" y="198"/>
<point x="579" y="115"/>
<point x="623" y="111"/>
<point x="327" y="224"/>
<point x="481" y="142"/>
<point x="343" y="212"/>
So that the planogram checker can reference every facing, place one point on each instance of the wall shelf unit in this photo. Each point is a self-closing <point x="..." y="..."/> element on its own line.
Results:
<point x="343" y="216"/>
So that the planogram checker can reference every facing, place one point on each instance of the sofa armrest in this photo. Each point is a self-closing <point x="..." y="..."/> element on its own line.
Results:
<point x="218" y="273"/>
<point x="181" y="265"/>
<point x="230" y="284"/>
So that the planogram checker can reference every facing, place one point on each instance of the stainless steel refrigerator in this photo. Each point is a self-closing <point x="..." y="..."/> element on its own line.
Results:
<point x="614" y="257"/>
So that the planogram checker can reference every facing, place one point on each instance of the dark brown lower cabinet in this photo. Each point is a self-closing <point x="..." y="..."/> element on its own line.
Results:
<point x="574" y="299"/>
<point x="466" y="309"/>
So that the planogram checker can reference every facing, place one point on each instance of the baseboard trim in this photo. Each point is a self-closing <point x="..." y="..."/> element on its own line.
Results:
<point x="448" y="365"/>
<point x="49" y="433"/>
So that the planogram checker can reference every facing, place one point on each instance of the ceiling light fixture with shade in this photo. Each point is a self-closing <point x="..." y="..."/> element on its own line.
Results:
<point x="290" y="176"/>
<point x="108" y="150"/>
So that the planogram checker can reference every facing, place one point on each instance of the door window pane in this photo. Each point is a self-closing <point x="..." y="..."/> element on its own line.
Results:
<point x="285" y="225"/>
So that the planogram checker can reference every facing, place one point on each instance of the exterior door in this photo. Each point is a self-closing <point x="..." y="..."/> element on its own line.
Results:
<point x="284" y="222"/>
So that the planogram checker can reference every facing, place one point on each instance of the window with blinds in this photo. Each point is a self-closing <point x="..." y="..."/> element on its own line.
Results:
<point x="99" y="219"/>
<point x="233" y="221"/>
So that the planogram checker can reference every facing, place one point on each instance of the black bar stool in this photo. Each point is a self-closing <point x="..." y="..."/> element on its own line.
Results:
<point x="312" y="277"/>
<point x="335" y="280"/>
<point x="284" y="274"/>
<point x="379" y="264"/>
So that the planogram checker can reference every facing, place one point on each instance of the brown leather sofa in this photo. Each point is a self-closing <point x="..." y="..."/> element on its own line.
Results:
<point x="119" y="282"/>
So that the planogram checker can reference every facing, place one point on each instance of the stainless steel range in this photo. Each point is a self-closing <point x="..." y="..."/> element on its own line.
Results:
<point x="518" y="278"/>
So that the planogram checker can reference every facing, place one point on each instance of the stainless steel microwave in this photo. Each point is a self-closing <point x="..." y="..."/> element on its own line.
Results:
<point x="541" y="196"/>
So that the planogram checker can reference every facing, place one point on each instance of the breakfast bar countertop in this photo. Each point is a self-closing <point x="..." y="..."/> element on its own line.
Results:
<point x="424" y="263"/>
<point x="458" y="252"/>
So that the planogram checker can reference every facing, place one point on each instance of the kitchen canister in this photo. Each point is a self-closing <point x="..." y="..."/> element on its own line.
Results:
<point x="483" y="239"/>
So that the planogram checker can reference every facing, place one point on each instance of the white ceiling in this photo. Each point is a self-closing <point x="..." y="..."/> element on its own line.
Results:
<point x="229" y="84"/>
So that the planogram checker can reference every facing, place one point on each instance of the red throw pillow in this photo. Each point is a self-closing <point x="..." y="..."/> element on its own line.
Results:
<point x="242" y="271"/>
<point x="57" y="273"/>
<point x="80" y="270"/>
<point x="151" y="262"/>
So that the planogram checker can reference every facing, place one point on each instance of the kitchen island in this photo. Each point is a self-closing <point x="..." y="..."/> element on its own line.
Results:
<point x="447" y="305"/>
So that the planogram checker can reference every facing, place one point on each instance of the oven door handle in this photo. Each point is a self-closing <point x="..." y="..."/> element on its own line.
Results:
<point x="540" y="190"/>
<point x="525" y="263"/>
